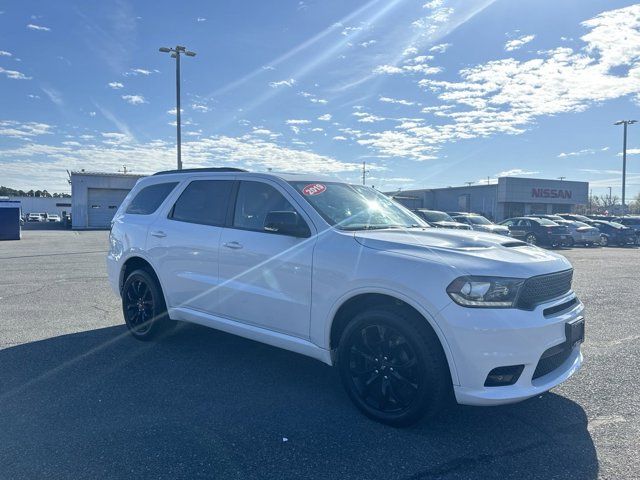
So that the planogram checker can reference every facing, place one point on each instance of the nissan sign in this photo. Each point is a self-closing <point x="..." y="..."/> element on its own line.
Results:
<point x="550" y="193"/>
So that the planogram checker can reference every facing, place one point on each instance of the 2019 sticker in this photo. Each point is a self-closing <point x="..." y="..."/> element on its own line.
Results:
<point x="314" y="189"/>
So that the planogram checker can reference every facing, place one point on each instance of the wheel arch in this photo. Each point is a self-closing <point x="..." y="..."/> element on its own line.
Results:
<point x="135" y="263"/>
<point x="358" y="301"/>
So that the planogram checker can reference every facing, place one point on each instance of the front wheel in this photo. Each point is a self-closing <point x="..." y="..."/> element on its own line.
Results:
<point x="143" y="306"/>
<point x="393" y="367"/>
<point x="604" y="240"/>
<point x="531" y="239"/>
<point x="570" y="243"/>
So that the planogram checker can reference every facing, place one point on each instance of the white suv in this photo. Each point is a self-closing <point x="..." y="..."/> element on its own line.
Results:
<point x="343" y="274"/>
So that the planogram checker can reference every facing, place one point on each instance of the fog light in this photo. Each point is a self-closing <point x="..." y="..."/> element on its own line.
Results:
<point x="502" y="376"/>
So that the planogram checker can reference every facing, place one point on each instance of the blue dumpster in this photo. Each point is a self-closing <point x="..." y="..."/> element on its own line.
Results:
<point x="10" y="220"/>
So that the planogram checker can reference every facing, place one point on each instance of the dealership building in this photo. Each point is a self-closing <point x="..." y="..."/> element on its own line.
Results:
<point x="510" y="197"/>
<point x="95" y="197"/>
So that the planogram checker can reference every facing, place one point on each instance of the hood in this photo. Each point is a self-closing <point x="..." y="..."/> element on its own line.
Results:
<point x="473" y="252"/>
<point x="493" y="228"/>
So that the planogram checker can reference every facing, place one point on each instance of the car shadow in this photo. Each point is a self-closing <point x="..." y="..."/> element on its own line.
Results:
<point x="204" y="404"/>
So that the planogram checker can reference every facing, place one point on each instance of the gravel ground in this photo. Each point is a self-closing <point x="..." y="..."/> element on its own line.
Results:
<point x="80" y="399"/>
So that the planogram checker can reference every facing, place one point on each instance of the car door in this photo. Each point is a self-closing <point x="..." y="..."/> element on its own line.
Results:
<point x="183" y="244"/>
<point x="265" y="276"/>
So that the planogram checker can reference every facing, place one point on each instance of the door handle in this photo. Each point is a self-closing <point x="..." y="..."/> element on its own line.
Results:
<point x="159" y="234"/>
<point x="233" y="245"/>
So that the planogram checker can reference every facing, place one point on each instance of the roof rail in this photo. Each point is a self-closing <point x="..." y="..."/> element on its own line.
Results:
<point x="207" y="169"/>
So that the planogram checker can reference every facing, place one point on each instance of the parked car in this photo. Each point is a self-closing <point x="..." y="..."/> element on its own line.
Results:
<point x="36" y="217"/>
<point x="53" y="217"/>
<point x="481" y="224"/>
<point x="410" y="315"/>
<point x="548" y="216"/>
<point x="538" y="231"/>
<point x="574" y="217"/>
<point x="632" y="222"/>
<point x="613" y="233"/>
<point x="440" y="219"/>
<point x="581" y="233"/>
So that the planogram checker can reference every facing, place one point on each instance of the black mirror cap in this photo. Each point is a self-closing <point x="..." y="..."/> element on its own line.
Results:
<point x="286" y="223"/>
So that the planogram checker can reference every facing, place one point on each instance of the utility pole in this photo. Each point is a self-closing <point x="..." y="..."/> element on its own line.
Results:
<point x="488" y="180"/>
<point x="625" y="123"/>
<point x="610" y="196"/>
<point x="175" y="53"/>
<point x="561" y="178"/>
<point x="364" y="172"/>
<point x="469" y="183"/>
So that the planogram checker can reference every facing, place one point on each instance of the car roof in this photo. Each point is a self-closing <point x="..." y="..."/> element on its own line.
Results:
<point x="229" y="171"/>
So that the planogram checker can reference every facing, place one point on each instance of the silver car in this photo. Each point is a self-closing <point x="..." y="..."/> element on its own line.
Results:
<point x="581" y="233"/>
<point x="482" y="224"/>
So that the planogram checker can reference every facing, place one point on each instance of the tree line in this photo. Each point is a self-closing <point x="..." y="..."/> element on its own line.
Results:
<point x="11" y="192"/>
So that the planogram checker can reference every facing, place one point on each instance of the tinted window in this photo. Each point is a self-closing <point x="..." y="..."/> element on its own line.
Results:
<point x="204" y="202"/>
<point x="254" y="201"/>
<point x="149" y="198"/>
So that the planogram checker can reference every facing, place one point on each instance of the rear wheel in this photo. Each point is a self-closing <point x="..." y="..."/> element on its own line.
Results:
<point x="143" y="306"/>
<point x="604" y="240"/>
<point x="393" y="367"/>
<point x="570" y="242"/>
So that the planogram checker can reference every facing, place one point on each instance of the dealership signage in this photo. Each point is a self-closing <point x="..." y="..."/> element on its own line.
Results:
<point x="550" y="193"/>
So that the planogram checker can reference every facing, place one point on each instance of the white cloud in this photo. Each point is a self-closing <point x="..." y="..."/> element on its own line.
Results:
<point x="201" y="19"/>
<point x="283" y="83"/>
<point x="174" y="110"/>
<point x="508" y="96"/>
<point x="140" y="71"/>
<point x="433" y="4"/>
<point x="515" y="172"/>
<point x="4" y="53"/>
<point x="325" y="118"/>
<point x="584" y="151"/>
<point x="199" y="107"/>
<point x="440" y="48"/>
<point x="14" y="129"/>
<point x="14" y="74"/>
<point x="54" y="95"/>
<point x="297" y="122"/>
<point x="368" y="43"/>
<point x="116" y="85"/>
<point x="395" y="100"/>
<point x="364" y="117"/>
<point x="39" y="28"/>
<point x="517" y="43"/>
<point x="409" y="51"/>
<point x="339" y="138"/>
<point x="134" y="99"/>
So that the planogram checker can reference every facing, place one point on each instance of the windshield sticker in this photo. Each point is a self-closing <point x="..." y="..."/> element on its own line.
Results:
<point x="314" y="189"/>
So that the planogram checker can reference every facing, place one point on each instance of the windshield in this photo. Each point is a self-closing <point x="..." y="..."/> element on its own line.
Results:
<point x="432" y="216"/>
<point x="479" y="220"/>
<point x="355" y="207"/>
<point x="582" y="224"/>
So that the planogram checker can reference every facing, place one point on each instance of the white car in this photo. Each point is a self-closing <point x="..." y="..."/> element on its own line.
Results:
<point x="35" y="217"/>
<point x="52" y="217"/>
<point x="343" y="274"/>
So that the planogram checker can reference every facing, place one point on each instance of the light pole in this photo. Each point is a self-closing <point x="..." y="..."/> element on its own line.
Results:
<point x="175" y="53"/>
<point x="625" y="123"/>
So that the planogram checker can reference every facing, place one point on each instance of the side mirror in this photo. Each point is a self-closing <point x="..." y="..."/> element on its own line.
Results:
<point x="286" y="223"/>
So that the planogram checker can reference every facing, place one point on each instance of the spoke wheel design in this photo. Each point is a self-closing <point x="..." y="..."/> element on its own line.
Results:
<point x="531" y="239"/>
<point x="138" y="305"/>
<point x="383" y="367"/>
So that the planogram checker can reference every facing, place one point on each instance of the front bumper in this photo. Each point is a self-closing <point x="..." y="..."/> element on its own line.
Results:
<point x="484" y="339"/>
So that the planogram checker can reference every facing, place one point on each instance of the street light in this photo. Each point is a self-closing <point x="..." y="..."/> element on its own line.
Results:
<point x="175" y="53"/>
<point x="624" y="160"/>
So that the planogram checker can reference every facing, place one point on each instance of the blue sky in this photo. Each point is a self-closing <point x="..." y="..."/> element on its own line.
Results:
<point x="429" y="93"/>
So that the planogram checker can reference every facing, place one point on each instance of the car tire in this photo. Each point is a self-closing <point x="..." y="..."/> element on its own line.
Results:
<point x="393" y="367"/>
<point x="570" y="243"/>
<point x="143" y="306"/>
<point x="531" y="239"/>
<point x="604" y="241"/>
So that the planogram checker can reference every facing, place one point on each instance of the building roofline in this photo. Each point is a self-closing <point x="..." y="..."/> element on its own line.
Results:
<point x="108" y="174"/>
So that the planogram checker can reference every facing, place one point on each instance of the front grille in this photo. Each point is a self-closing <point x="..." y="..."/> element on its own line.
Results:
<point x="552" y="359"/>
<point x="540" y="289"/>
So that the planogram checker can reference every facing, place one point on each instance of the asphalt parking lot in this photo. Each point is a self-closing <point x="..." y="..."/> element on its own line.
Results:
<point x="80" y="399"/>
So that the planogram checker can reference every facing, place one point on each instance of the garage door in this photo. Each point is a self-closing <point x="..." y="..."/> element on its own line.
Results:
<point x="102" y="205"/>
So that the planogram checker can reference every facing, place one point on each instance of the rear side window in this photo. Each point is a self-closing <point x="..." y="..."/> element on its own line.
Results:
<point x="149" y="198"/>
<point x="204" y="202"/>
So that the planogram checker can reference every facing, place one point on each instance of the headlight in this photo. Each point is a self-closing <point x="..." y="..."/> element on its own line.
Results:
<point x="487" y="292"/>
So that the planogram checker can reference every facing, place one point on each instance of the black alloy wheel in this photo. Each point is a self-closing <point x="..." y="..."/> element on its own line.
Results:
<point x="393" y="367"/>
<point x="143" y="305"/>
